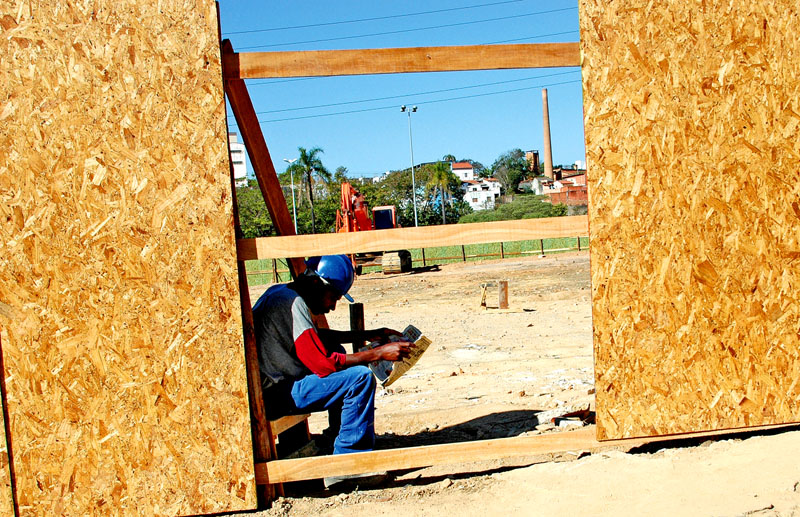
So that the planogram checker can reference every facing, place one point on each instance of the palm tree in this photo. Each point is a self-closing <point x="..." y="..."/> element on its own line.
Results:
<point x="440" y="180"/>
<point x="448" y="158"/>
<point x="309" y="165"/>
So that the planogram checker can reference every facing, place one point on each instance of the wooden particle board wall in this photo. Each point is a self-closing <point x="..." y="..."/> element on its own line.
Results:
<point x="124" y="362"/>
<point x="692" y="111"/>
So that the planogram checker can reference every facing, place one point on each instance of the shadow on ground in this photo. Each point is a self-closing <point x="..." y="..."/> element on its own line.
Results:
<point x="496" y="425"/>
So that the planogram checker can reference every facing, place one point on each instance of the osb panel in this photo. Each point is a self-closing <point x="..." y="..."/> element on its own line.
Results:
<point x="118" y="290"/>
<point x="692" y="112"/>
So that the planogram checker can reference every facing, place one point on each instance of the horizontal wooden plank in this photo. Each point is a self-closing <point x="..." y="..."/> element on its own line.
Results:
<point x="316" y="63"/>
<point x="282" y="471"/>
<point x="410" y="238"/>
<point x="287" y="422"/>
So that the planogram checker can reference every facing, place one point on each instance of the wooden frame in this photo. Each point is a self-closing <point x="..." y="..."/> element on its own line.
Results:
<point x="271" y="473"/>
<point x="236" y="67"/>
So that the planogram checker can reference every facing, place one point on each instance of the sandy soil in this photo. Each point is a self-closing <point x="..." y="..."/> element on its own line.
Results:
<point x="488" y="375"/>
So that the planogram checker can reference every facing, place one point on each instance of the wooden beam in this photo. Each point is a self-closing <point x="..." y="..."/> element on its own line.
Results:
<point x="287" y="422"/>
<point x="282" y="471"/>
<point x="316" y="63"/>
<point x="410" y="238"/>
<point x="264" y="170"/>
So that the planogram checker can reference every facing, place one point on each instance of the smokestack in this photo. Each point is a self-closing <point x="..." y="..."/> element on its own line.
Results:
<point x="548" y="153"/>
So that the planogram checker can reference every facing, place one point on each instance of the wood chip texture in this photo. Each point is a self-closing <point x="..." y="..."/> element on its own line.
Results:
<point x="692" y="112"/>
<point x="124" y="362"/>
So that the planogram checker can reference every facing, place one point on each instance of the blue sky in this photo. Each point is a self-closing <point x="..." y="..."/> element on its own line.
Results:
<point x="472" y="119"/>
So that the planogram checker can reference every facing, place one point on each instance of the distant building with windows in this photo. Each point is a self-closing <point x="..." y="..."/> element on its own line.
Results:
<point x="480" y="193"/>
<point x="238" y="160"/>
<point x="463" y="170"/>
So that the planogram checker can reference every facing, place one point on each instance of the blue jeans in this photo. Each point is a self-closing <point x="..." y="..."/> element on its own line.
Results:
<point x="351" y="391"/>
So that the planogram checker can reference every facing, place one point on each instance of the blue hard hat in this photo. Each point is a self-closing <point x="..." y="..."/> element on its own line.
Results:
<point x="334" y="270"/>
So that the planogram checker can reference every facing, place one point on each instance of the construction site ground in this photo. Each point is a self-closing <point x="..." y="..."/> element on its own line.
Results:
<point x="499" y="374"/>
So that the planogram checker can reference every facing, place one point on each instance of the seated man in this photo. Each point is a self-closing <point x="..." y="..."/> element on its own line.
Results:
<point x="305" y="368"/>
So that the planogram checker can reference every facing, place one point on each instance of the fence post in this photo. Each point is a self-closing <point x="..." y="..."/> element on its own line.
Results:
<point x="541" y="246"/>
<point x="463" y="254"/>
<point x="579" y="243"/>
<point x="423" y="257"/>
<point x="502" y="253"/>
<point x="357" y="323"/>
<point x="502" y="288"/>
<point x="274" y="271"/>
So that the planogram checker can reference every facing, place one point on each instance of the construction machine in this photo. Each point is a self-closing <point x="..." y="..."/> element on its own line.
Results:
<point x="354" y="216"/>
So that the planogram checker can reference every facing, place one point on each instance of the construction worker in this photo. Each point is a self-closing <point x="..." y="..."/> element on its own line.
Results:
<point x="305" y="368"/>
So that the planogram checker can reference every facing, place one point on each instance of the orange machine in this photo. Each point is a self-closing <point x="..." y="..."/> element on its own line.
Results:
<point x="353" y="216"/>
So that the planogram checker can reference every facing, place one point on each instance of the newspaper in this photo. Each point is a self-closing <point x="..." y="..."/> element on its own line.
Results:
<point x="389" y="371"/>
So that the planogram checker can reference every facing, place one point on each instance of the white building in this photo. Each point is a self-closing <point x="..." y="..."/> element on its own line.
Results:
<point x="238" y="161"/>
<point x="481" y="194"/>
<point x="463" y="170"/>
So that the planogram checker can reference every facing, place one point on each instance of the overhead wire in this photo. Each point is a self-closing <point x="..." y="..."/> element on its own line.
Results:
<point x="435" y="101"/>
<point x="430" y="92"/>
<point x="375" y="18"/>
<point x="403" y="31"/>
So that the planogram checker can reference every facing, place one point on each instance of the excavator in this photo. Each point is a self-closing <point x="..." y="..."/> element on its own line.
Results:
<point x="353" y="216"/>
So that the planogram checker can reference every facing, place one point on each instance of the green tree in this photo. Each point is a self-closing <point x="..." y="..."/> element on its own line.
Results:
<point x="340" y="175"/>
<point x="440" y="178"/>
<point x="310" y="167"/>
<point x="509" y="169"/>
<point x="254" y="219"/>
<point x="449" y="158"/>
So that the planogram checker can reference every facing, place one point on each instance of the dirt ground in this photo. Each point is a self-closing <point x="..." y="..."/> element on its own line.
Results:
<point x="495" y="375"/>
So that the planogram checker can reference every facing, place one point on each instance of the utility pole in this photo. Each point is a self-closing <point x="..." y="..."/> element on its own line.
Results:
<point x="411" y="144"/>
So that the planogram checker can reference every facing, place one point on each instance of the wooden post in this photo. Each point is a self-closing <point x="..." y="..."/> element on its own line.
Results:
<point x="357" y="323"/>
<point x="247" y="120"/>
<point x="263" y="441"/>
<point x="463" y="254"/>
<point x="541" y="246"/>
<point x="579" y="243"/>
<point x="502" y="289"/>
<point x="502" y="252"/>
<point x="423" y="257"/>
<point x="274" y="271"/>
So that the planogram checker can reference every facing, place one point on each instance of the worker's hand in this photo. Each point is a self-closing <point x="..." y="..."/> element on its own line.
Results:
<point x="382" y="335"/>
<point x="395" y="350"/>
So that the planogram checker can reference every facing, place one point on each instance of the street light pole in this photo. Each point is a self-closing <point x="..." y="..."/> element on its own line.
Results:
<point x="291" y="176"/>
<point x="411" y="144"/>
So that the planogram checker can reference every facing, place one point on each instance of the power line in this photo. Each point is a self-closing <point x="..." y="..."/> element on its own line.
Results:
<point x="419" y="103"/>
<point x="402" y="31"/>
<point x="417" y="93"/>
<point x="531" y="37"/>
<point x="390" y="17"/>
